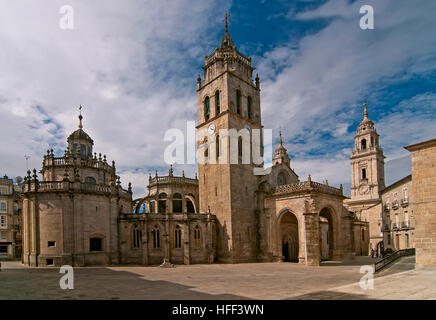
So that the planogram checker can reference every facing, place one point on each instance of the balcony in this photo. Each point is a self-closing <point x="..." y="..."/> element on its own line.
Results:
<point x="395" y="227"/>
<point x="404" y="202"/>
<point x="395" y="204"/>
<point x="387" y="207"/>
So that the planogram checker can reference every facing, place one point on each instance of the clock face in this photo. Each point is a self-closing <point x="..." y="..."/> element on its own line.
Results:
<point x="363" y="189"/>
<point x="211" y="129"/>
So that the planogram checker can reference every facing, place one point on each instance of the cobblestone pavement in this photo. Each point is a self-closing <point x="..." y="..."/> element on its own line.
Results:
<point x="332" y="280"/>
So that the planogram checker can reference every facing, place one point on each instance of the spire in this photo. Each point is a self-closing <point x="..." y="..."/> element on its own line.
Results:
<point x="281" y="142"/>
<point x="226" y="20"/>
<point x="365" y="111"/>
<point x="80" y="117"/>
<point x="226" y="41"/>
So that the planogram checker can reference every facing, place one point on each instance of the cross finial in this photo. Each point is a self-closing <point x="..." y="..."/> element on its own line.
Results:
<point x="365" y="110"/>
<point x="80" y="117"/>
<point x="281" y="142"/>
<point x="226" y="20"/>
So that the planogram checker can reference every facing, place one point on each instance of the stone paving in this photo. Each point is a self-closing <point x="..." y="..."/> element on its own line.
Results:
<point x="332" y="280"/>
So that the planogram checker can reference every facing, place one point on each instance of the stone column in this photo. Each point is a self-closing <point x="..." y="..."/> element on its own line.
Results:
<point x="311" y="224"/>
<point x="186" y="242"/>
<point x="144" y="243"/>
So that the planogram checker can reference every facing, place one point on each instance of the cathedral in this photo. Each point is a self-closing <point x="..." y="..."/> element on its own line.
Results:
<point x="80" y="215"/>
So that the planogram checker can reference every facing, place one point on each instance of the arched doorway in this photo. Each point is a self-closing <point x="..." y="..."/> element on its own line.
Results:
<point x="289" y="237"/>
<point x="326" y="235"/>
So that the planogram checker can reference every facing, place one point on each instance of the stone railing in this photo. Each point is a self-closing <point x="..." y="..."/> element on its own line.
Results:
<point x="306" y="186"/>
<point x="223" y="53"/>
<point x="370" y="148"/>
<point x="79" y="187"/>
<point x="71" y="161"/>
<point x="171" y="180"/>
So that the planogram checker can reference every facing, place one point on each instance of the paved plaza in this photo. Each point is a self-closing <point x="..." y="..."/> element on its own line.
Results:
<point x="332" y="280"/>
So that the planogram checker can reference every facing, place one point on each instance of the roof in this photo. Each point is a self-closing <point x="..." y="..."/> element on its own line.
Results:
<point x="79" y="134"/>
<point x="421" y="145"/>
<point x="397" y="183"/>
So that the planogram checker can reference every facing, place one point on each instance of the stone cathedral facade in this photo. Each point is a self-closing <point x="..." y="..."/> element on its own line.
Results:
<point x="230" y="213"/>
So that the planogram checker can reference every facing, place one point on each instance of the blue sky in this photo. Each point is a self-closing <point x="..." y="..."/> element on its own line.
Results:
<point x="133" y="65"/>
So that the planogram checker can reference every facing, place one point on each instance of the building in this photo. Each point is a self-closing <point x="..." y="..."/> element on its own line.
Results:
<point x="367" y="180"/>
<point x="235" y="211"/>
<point x="71" y="216"/>
<point x="423" y="156"/>
<point x="10" y="219"/>
<point x="261" y="216"/>
<point x="166" y="225"/>
<point x="398" y="226"/>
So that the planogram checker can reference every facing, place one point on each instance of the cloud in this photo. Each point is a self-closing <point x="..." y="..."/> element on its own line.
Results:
<point x="133" y="64"/>
<point x="128" y="64"/>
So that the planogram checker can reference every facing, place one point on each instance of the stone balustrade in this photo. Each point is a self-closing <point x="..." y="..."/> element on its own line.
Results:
<point x="306" y="186"/>
<point x="71" y="161"/>
<point x="80" y="187"/>
<point x="171" y="180"/>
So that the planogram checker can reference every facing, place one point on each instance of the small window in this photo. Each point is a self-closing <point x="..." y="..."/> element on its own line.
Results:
<point x="51" y="244"/>
<point x="217" y="103"/>
<point x="95" y="244"/>
<point x="197" y="237"/>
<point x="49" y="262"/>
<point x="249" y="107"/>
<point x="137" y="238"/>
<point x="178" y="237"/>
<point x="206" y="108"/>
<point x="238" y="102"/>
<point x="3" y="222"/>
<point x="363" y="144"/>
<point x="156" y="237"/>
<point x="3" y="207"/>
<point x="90" y="180"/>
<point x="363" y="173"/>
<point x="177" y="203"/>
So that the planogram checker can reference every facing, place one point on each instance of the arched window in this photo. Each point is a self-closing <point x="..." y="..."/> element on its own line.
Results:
<point x="363" y="144"/>
<point x="363" y="173"/>
<point x="217" y="103"/>
<point x="249" y="107"/>
<point x="155" y="234"/>
<point x="240" y="147"/>
<point x="281" y="180"/>
<point x="178" y="237"/>
<point x="90" y="180"/>
<point x="206" y="108"/>
<point x="177" y="203"/>
<point x="197" y="237"/>
<point x="238" y="102"/>
<point x="82" y="151"/>
<point x="152" y="207"/>
<point x="95" y="244"/>
<point x="136" y="237"/>
<point x="162" y="203"/>
<point x="217" y="146"/>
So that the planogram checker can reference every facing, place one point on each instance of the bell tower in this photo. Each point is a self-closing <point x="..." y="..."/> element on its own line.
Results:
<point x="228" y="103"/>
<point x="367" y="162"/>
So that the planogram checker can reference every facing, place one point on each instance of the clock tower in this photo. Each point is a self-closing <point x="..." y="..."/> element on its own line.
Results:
<point x="367" y="179"/>
<point x="228" y="114"/>
<point x="367" y="162"/>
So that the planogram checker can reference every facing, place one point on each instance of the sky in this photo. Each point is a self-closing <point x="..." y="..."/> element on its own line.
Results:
<point x="133" y="66"/>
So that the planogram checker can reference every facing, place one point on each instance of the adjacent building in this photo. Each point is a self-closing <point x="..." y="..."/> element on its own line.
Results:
<point x="10" y="219"/>
<point x="423" y="156"/>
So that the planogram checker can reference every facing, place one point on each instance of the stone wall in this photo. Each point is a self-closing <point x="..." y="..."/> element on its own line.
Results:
<point x="424" y="199"/>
